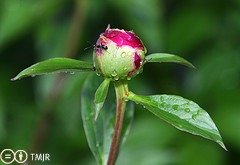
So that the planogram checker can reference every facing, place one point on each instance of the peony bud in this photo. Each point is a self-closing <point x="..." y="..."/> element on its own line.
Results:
<point x="118" y="54"/>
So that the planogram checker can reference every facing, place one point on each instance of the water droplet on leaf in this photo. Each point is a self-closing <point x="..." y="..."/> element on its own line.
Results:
<point x="98" y="74"/>
<point x="187" y="110"/>
<point x="175" y="106"/>
<point x="163" y="103"/>
<point x="194" y="117"/>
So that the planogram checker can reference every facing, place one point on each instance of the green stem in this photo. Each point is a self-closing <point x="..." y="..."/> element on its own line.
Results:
<point x="121" y="89"/>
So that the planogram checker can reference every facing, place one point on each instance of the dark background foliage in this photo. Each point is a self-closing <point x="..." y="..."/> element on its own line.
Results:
<point x="42" y="114"/>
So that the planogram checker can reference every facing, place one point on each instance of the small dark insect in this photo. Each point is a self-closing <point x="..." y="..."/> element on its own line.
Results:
<point x="97" y="46"/>
<point x="101" y="47"/>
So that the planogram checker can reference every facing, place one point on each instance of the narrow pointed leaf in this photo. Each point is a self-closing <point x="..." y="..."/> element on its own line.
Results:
<point x="55" y="65"/>
<point x="181" y="113"/>
<point x="100" y="96"/>
<point x="99" y="132"/>
<point x="164" y="57"/>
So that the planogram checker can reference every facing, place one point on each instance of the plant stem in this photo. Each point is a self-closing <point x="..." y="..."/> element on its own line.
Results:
<point x="121" y="89"/>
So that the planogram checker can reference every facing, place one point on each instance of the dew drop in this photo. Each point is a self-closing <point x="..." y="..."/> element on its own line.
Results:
<point x="87" y="118"/>
<point x="128" y="78"/>
<point x="125" y="68"/>
<point x="116" y="78"/>
<point x="98" y="74"/>
<point x="144" y="107"/>
<point x="129" y="53"/>
<point x="125" y="99"/>
<point x="71" y="72"/>
<point x="123" y="54"/>
<point x="194" y="117"/>
<point x="175" y="106"/>
<point x="114" y="73"/>
<point x="163" y="103"/>
<point x="187" y="110"/>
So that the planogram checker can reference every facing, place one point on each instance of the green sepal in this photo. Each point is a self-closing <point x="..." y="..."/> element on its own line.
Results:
<point x="100" y="96"/>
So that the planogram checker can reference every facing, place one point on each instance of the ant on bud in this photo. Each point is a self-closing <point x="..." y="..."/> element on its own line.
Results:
<point x="97" y="46"/>
<point x="101" y="46"/>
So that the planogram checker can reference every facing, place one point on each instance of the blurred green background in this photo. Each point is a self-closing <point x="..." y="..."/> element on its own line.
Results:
<point x="42" y="114"/>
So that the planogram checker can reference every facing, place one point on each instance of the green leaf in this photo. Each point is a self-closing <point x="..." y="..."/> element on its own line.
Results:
<point x="181" y="113"/>
<point x="55" y="65"/>
<point x="99" y="132"/>
<point x="164" y="57"/>
<point x="100" y="96"/>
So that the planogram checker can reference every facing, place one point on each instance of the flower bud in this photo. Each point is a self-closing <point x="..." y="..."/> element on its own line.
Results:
<point x="118" y="54"/>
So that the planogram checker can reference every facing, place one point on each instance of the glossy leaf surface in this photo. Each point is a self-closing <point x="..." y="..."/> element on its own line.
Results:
<point x="164" y="57"/>
<point x="181" y="113"/>
<point x="55" y="65"/>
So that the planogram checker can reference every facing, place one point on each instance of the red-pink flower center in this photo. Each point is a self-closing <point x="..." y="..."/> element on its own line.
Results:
<point x="137" y="61"/>
<point x="137" y="64"/>
<point x="121" y="38"/>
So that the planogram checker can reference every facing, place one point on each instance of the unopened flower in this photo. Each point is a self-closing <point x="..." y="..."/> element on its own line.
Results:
<point x="118" y="54"/>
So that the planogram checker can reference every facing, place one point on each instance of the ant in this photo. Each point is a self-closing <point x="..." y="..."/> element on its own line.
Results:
<point x="101" y="47"/>
<point x="104" y="47"/>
